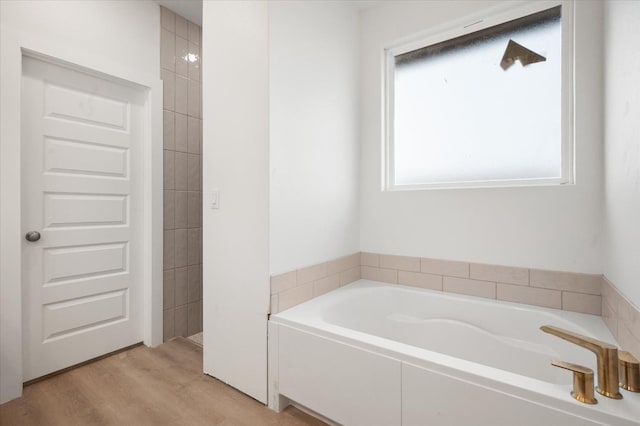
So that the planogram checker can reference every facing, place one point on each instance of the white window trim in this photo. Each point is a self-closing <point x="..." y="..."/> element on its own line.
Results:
<point x="472" y="23"/>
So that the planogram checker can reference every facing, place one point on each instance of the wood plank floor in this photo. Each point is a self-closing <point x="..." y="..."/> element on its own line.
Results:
<point x="142" y="386"/>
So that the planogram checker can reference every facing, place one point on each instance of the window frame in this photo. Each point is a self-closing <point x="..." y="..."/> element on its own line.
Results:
<point x="469" y="24"/>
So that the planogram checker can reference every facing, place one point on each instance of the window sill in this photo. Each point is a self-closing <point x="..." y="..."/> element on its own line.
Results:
<point x="482" y="185"/>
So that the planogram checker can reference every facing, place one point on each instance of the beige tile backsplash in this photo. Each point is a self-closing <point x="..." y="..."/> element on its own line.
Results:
<point x="579" y="302"/>
<point x="445" y="267"/>
<point x="622" y="317"/>
<point x="294" y="287"/>
<point x="325" y="285"/>
<point x="311" y="273"/>
<point x="581" y="283"/>
<point x="350" y="275"/>
<point x="343" y="264"/>
<point x="294" y="296"/>
<point x="559" y="290"/>
<point x="283" y="282"/>
<point x="417" y="279"/>
<point x="586" y="293"/>
<point x="469" y="287"/>
<point x="402" y="263"/>
<point x="379" y="274"/>
<point x="182" y="132"/>
<point x="369" y="259"/>
<point x="530" y="295"/>
<point x="497" y="273"/>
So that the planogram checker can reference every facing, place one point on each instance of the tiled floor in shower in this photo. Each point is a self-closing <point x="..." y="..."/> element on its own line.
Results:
<point x="196" y="338"/>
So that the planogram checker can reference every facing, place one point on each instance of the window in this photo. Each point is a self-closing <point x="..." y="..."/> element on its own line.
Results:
<point x="488" y="104"/>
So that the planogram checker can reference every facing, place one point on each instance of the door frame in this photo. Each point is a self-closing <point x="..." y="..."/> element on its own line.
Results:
<point x="13" y="47"/>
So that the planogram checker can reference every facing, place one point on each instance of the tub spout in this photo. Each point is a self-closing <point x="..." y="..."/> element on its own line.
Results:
<point x="606" y="354"/>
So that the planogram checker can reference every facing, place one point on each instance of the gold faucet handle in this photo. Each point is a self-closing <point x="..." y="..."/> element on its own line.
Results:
<point x="582" y="381"/>
<point x="629" y="368"/>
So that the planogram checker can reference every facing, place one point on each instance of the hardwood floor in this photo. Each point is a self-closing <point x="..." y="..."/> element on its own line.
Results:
<point x="142" y="386"/>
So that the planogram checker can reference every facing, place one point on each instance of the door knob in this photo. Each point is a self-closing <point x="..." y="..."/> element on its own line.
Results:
<point x="32" y="236"/>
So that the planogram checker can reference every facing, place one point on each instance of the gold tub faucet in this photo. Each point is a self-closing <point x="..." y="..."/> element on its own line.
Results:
<point x="582" y="381"/>
<point x="629" y="368"/>
<point x="606" y="355"/>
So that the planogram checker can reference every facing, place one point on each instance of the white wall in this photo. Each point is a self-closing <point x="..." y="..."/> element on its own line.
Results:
<point x="120" y="38"/>
<point x="235" y="158"/>
<point x="280" y="142"/>
<point x="123" y="32"/>
<point x="313" y="107"/>
<point x="540" y="227"/>
<point x="622" y="147"/>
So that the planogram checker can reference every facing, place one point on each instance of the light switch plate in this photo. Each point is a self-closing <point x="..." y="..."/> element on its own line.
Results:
<point x="214" y="199"/>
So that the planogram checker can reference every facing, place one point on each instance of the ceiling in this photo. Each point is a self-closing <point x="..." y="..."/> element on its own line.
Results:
<point x="192" y="9"/>
<point x="366" y="4"/>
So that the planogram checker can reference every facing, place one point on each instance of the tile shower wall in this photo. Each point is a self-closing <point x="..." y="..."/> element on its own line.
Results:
<point x="180" y="61"/>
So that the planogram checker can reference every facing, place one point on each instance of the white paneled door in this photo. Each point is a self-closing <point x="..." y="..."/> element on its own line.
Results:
<point x="81" y="204"/>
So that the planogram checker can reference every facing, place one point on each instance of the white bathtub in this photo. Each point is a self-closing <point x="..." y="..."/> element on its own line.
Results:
<point x="378" y="354"/>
